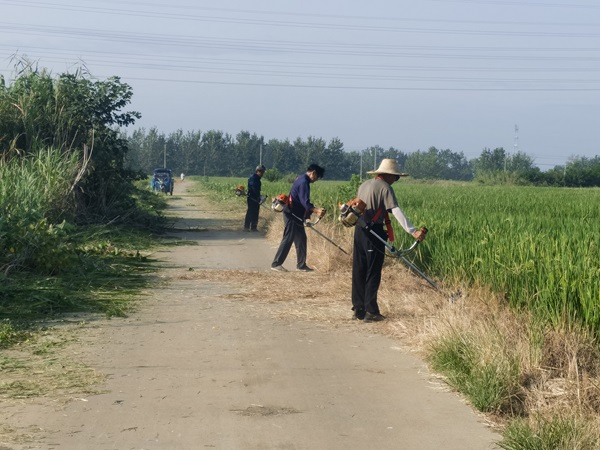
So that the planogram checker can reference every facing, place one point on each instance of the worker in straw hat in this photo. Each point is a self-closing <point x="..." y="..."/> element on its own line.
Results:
<point x="369" y="252"/>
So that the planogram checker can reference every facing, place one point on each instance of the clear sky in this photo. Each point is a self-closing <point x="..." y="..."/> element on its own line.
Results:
<point x="462" y="75"/>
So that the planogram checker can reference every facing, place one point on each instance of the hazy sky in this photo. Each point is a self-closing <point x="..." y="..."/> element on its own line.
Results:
<point x="462" y="75"/>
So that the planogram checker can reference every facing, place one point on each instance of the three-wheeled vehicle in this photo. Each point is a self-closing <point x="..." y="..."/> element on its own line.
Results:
<point x="162" y="181"/>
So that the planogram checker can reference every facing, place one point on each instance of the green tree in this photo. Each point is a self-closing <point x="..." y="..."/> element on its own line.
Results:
<point x="519" y="162"/>
<point x="372" y="156"/>
<point x="215" y="147"/>
<point x="490" y="161"/>
<point x="335" y="161"/>
<point x="245" y="153"/>
<point x="72" y="113"/>
<point x="438" y="164"/>
<point x="582" y="172"/>
<point x="190" y="153"/>
<point x="281" y="155"/>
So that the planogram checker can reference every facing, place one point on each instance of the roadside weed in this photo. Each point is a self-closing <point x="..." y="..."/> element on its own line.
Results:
<point x="11" y="334"/>
<point x="566" y="432"/>
<point x="489" y="379"/>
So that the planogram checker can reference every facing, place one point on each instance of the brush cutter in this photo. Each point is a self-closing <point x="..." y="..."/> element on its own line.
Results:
<point x="400" y="254"/>
<point x="240" y="191"/>
<point x="311" y="225"/>
<point x="351" y="214"/>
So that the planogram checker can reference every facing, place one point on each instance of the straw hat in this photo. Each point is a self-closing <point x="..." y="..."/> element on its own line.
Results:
<point x="389" y="166"/>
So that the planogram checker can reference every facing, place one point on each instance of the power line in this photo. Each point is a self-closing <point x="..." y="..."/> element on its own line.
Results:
<point x="522" y="3"/>
<point x="295" y="47"/>
<point x="95" y="9"/>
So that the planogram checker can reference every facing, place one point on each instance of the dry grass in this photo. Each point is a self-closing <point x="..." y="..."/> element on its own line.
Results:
<point x="39" y="368"/>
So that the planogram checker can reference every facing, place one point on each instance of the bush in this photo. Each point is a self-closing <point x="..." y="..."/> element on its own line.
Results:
<point x="272" y="175"/>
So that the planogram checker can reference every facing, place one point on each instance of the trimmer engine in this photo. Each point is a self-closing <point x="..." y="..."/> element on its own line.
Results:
<point x="351" y="212"/>
<point x="279" y="202"/>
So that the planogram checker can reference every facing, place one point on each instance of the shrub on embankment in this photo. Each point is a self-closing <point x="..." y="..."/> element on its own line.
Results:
<point x="48" y="263"/>
<point x="72" y="222"/>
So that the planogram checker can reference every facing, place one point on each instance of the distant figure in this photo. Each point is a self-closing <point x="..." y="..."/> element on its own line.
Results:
<point x="254" y="199"/>
<point x="182" y="176"/>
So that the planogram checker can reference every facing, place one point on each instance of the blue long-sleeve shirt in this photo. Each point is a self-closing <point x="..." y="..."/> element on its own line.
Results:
<point x="254" y="186"/>
<point x="300" y="195"/>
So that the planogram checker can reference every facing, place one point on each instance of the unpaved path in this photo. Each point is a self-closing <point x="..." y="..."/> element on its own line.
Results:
<point x="206" y="364"/>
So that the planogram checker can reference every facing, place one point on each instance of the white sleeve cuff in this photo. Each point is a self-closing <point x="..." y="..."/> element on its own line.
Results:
<point x="403" y="220"/>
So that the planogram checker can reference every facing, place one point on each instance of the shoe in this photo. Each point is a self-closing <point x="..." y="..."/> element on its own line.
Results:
<point x="359" y="314"/>
<point x="373" y="317"/>
<point x="305" y="269"/>
<point x="253" y="229"/>
<point x="278" y="268"/>
<point x="247" y="229"/>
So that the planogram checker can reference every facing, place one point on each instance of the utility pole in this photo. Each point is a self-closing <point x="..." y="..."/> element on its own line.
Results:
<point x="260" y="156"/>
<point x="374" y="158"/>
<point x="515" y="146"/>
<point x="165" y="156"/>
<point x="361" y="169"/>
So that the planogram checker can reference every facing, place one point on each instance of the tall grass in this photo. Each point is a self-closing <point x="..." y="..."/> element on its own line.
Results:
<point x="47" y="264"/>
<point x="35" y="201"/>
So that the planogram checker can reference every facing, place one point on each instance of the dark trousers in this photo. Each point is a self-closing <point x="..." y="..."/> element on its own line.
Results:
<point x="367" y="262"/>
<point x="251" y="221"/>
<point x="293" y="233"/>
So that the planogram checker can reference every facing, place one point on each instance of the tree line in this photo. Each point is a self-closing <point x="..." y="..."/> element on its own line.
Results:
<point x="216" y="153"/>
<point x="75" y="114"/>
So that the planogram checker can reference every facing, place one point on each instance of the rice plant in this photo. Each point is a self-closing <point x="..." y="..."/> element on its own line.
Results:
<point x="538" y="247"/>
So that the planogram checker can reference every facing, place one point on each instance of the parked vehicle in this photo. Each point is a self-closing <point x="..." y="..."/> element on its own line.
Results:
<point x="162" y="181"/>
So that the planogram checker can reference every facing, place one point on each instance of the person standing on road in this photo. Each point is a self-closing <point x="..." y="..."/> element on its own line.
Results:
<point x="254" y="199"/>
<point x="298" y="209"/>
<point x="368" y="251"/>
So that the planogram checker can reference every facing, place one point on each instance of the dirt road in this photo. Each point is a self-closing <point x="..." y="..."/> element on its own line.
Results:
<point x="207" y="363"/>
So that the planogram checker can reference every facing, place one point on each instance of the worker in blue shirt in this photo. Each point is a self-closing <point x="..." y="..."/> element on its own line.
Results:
<point x="298" y="209"/>
<point x="254" y="199"/>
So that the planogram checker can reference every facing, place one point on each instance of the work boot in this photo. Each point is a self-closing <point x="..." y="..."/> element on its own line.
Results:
<point x="359" y="314"/>
<point x="369" y="317"/>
